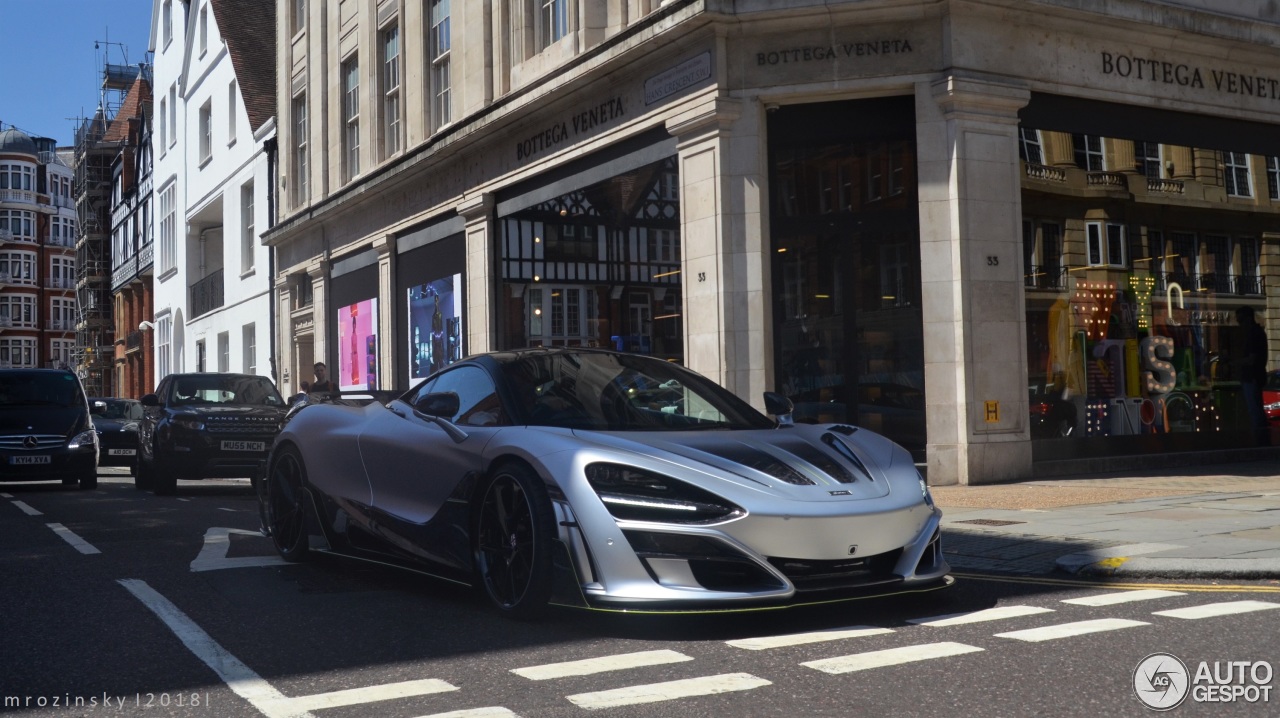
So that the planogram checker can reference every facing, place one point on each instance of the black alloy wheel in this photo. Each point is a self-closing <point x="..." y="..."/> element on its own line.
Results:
<point x="144" y="475"/>
<point x="89" y="479"/>
<point x="283" y="502"/>
<point x="513" y="537"/>
<point x="164" y="479"/>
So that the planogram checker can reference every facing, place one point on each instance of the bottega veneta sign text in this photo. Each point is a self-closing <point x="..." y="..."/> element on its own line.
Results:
<point x="1176" y="73"/>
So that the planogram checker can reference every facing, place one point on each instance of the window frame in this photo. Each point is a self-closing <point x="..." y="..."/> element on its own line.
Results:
<point x="247" y="224"/>
<point x="1234" y="163"/>
<point x="350" y="79"/>
<point x="206" y="132"/>
<point x="389" y="81"/>
<point x="1103" y="243"/>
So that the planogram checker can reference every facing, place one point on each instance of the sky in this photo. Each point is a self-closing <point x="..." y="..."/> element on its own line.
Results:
<point x="59" y="77"/>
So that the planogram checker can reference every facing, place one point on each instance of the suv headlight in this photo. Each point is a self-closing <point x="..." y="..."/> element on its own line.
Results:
<point x="84" y="440"/>
<point x="190" y="423"/>
<point x="924" y="489"/>
<point x="633" y="494"/>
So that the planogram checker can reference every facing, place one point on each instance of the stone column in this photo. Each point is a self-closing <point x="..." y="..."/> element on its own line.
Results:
<point x="482" y="283"/>
<point x="318" y="271"/>
<point x="1183" y="164"/>
<point x="290" y="382"/>
<point x="971" y="280"/>
<point x="722" y="167"/>
<point x="388" y="301"/>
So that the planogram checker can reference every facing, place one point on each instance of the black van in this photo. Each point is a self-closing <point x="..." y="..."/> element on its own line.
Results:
<point x="46" y="432"/>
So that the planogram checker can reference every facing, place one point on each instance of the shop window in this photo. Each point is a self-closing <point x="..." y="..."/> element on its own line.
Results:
<point x="1107" y="246"/>
<point x="1029" y="147"/>
<point x="589" y="267"/>
<point x="1235" y="174"/>
<point x="1088" y="153"/>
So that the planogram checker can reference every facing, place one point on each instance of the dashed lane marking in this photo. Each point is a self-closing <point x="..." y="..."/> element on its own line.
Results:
<point x="600" y="665"/>
<point x="1211" y="610"/>
<point x="1111" y="599"/>
<point x="70" y="537"/>
<point x="890" y="657"/>
<point x="1067" y="630"/>
<point x="670" y="690"/>
<point x="358" y="696"/>
<point x="7" y="496"/>
<point x="798" y="639"/>
<point x="490" y="712"/>
<point x="987" y="614"/>
<point x="26" y="509"/>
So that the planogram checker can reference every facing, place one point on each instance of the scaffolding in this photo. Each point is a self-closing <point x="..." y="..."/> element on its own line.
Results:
<point x="94" y="355"/>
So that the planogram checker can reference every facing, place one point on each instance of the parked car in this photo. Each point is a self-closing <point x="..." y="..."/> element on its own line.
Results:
<point x="594" y="478"/>
<point x="206" y="425"/>
<point x="1271" y="398"/>
<point x="46" y="432"/>
<point x="116" y="421"/>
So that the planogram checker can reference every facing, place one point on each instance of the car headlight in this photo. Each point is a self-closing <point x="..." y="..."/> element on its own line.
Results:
<point x="84" y="440"/>
<point x="190" y="423"/>
<point x="633" y="494"/>
<point x="924" y="489"/>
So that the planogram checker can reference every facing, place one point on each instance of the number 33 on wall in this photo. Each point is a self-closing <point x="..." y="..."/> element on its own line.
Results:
<point x="993" y="260"/>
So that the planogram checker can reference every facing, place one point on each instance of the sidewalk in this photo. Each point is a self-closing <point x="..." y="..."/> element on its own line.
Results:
<point x="1197" y="522"/>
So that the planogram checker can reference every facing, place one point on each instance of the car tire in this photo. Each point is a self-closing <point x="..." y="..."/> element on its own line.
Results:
<point x="89" y="479"/>
<point x="283" y="502"/>
<point x="514" y="529"/>
<point x="142" y="477"/>
<point x="164" y="482"/>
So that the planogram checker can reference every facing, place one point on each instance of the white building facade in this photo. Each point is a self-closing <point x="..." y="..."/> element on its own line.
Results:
<point x="211" y="183"/>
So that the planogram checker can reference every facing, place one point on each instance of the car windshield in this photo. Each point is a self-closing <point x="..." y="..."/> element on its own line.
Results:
<point x="622" y="392"/>
<point x="31" y="388"/>
<point x="224" y="389"/>
<point x="121" y="409"/>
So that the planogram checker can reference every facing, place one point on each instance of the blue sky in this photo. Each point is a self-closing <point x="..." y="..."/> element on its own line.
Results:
<point x="52" y="72"/>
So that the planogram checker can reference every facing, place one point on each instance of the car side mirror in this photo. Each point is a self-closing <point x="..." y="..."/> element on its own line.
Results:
<point x="98" y="407"/>
<point x="443" y="404"/>
<point x="780" y="406"/>
<point x="149" y="400"/>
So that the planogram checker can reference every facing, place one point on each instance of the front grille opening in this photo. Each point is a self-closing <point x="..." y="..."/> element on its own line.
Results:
<point x="810" y="575"/>
<point x="699" y="562"/>
<point x="931" y="559"/>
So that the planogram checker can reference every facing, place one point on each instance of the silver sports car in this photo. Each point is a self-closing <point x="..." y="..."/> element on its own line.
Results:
<point x="605" y="480"/>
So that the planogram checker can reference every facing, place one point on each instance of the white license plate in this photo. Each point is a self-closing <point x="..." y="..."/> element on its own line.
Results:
<point x="244" y="446"/>
<point x="121" y="452"/>
<point x="41" y="459"/>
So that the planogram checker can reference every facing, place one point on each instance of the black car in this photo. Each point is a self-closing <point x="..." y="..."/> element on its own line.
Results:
<point x="46" y="433"/>
<point x="206" y="425"/>
<point x="116" y="421"/>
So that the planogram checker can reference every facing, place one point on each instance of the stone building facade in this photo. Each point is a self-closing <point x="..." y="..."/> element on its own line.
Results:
<point x="856" y="204"/>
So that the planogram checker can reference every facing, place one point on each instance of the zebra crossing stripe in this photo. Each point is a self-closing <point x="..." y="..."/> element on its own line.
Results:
<point x="1067" y="630"/>
<point x="1226" y="608"/>
<point x="1115" y="597"/>
<point x="798" y="639"/>
<point x="889" y="657"/>
<point x="670" y="690"/>
<point x="989" y="614"/>
<point x="490" y="712"/>
<point x="604" y="664"/>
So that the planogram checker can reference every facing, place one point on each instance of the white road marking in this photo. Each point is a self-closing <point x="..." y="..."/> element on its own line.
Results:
<point x="222" y="509"/>
<point x="600" y="665"/>
<point x="239" y="677"/>
<point x="7" y="496"/>
<point x="184" y="499"/>
<point x="217" y="542"/>
<point x="890" y="657"/>
<point x="27" y="509"/>
<point x="491" y="712"/>
<point x="78" y="543"/>
<point x="1211" y="610"/>
<point x="356" y="696"/>
<point x="1111" y="599"/>
<point x="798" y="639"/>
<point x="671" y="690"/>
<point x="987" y="614"/>
<point x="1067" y="630"/>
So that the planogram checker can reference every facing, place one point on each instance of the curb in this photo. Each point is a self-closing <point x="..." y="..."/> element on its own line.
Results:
<point x="1148" y="567"/>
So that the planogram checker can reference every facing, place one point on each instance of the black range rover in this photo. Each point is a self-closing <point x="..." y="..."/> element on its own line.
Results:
<point x="205" y="425"/>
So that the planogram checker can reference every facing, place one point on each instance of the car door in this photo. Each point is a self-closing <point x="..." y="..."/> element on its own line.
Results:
<point x="413" y="464"/>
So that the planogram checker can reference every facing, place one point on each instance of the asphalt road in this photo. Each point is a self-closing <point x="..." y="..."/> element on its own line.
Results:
<point x="122" y="603"/>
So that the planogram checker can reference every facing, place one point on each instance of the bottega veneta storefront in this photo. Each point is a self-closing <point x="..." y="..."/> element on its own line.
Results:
<point x="1004" y="238"/>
